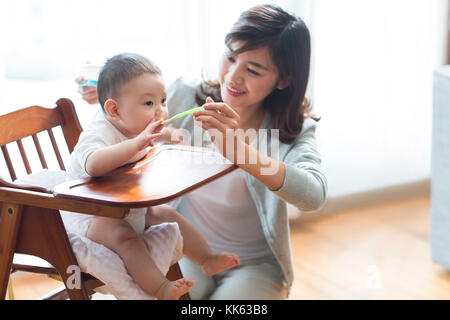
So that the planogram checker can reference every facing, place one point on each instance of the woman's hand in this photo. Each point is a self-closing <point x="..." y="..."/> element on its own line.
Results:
<point x="173" y="135"/>
<point x="88" y="94"/>
<point x="221" y="122"/>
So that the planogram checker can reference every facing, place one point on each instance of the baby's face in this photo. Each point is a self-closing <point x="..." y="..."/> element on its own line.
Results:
<point x="142" y="101"/>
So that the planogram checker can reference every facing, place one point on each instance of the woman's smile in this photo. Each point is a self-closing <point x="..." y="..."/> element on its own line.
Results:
<point x="233" y="91"/>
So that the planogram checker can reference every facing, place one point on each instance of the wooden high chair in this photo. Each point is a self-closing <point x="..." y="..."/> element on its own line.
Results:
<point x="30" y="223"/>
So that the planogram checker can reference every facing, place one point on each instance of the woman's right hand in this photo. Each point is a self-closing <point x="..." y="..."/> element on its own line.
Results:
<point x="88" y="94"/>
<point x="173" y="135"/>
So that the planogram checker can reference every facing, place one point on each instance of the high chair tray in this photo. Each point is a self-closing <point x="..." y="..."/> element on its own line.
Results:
<point x="164" y="174"/>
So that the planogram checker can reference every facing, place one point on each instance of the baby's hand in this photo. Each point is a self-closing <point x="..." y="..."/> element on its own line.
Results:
<point x="150" y="133"/>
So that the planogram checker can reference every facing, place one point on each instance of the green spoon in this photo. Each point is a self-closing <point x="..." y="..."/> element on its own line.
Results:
<point x="182" y="114"/>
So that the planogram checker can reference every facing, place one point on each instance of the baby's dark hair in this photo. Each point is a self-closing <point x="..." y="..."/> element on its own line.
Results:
<point x="119" y="70"/>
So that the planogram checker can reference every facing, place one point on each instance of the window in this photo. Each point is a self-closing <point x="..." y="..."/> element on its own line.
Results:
<point x="46" y="42"/>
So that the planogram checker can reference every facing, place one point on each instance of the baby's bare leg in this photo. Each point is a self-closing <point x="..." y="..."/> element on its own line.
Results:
<point x="195" y="246"/>
<point x="121" y="238"/>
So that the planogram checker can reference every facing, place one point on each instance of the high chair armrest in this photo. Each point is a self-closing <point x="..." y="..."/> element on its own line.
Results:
<point x="46" y="200"/>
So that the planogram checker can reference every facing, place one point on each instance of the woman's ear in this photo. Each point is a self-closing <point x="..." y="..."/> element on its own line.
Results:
<point x="111" y="109"/>
<point x="283" y="84"/>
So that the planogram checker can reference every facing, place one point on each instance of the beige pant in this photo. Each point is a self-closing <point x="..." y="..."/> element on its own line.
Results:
<point x="257" y="279"/>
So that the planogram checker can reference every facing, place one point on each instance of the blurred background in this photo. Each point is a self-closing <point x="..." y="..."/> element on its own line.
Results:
<point x="371" y="77"/>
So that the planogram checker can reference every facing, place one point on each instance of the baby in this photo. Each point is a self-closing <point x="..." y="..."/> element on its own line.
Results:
<point x="132" y="94"/>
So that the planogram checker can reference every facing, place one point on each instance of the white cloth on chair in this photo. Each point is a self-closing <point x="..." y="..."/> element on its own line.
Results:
<point x="164" y="242"/>
<point x="165" y="247"/>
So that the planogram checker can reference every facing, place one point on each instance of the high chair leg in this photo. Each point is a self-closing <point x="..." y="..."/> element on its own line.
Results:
<point x="10" y="216"/>
<point x="10" y="290"/>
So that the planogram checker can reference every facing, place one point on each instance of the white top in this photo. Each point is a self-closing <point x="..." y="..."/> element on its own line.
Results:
<point x="100" y="133"/>
<point x="224" y="213"/>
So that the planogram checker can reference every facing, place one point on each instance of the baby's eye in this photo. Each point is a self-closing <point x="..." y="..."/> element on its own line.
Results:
<point x="149" y="103"/>
<point x="163" y="101"/>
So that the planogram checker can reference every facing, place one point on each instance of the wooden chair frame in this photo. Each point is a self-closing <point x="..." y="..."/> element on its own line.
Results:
<point x="30" y="222"/>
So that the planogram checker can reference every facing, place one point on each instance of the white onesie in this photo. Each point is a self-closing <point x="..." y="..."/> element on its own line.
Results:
<point x="99" y="134"/>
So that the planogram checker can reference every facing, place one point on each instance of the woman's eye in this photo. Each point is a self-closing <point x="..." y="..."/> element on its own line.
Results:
<point x="149" y="103"/>
<point x="230" y="58"/>
<point x="253" y="72"/>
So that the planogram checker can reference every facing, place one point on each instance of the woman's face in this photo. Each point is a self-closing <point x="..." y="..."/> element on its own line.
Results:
<point x="248" y="78"/>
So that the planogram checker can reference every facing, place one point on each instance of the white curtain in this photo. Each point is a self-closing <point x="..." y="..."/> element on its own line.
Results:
<point x="374" y="61"/>
<point x="44" y="43"/>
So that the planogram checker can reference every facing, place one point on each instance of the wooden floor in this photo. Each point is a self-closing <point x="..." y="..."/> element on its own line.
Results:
<point x="377" y="252"/>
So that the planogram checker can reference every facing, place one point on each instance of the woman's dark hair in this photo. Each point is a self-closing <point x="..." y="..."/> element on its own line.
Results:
<point x="288" y="41"/>
<point x="119" y="70"/>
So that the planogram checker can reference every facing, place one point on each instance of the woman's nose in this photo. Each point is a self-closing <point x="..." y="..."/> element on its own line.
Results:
<point x="235" y="74"/>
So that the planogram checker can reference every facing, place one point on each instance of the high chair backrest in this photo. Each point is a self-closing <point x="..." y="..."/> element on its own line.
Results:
<point x="30" y="121"/>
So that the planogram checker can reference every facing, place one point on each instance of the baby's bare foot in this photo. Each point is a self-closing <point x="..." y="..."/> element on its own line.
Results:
<point x="219" y="262"/>
<point x="173" y="290"/>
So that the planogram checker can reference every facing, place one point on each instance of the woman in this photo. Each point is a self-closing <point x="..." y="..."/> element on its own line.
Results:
<point x="261" y="85"/>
